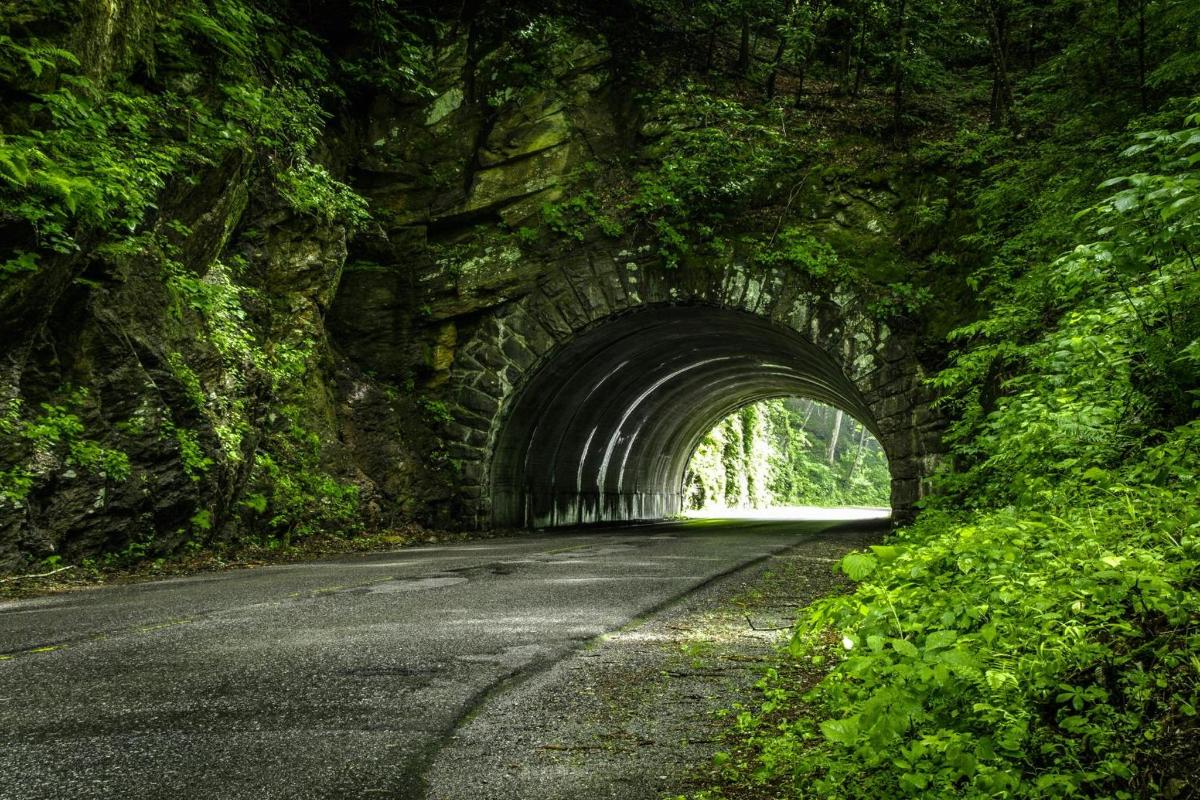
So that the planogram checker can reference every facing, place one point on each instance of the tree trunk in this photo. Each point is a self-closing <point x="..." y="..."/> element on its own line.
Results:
<point x="898" y="69"/>
<point x="833" y="436"/>
<point x="996" y="14"/>
<point x="858" y="455"/>
<point x="1141" y="54"/>
<point x="785" y="25"/>
<point x="809" y="405"/>
<point x="861" y="68"/>
<point x="859" y="73"/>
<point x="805" y="57"/>
<point x="775" y="65"/>
<point x="743" y="64"/>
<point x="844" y="59"/>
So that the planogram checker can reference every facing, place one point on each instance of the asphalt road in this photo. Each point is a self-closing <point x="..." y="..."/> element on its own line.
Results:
<point x="338" y="678"/>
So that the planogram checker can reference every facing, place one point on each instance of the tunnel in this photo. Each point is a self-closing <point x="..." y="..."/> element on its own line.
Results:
<point x="603" y="429"/>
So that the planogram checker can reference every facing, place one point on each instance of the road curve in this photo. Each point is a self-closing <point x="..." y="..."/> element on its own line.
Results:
<point x="337" y="678"/>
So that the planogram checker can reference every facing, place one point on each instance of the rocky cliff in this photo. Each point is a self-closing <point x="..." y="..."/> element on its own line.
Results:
<point x="252" y="288"/>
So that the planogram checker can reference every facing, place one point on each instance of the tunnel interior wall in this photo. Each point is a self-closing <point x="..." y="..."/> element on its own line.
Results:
<point x="604" y="430"/>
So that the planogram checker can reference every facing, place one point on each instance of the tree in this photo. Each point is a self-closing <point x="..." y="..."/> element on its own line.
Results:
<point x="834" y="432"/>
<point x="995" y="15"/>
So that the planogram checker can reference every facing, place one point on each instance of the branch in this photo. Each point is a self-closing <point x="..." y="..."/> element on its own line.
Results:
<point x="38" y="575"/>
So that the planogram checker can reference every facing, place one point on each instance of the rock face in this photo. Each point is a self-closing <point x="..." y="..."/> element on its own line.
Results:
<point x="495" y="323"/>
<point x="417" y="345"/>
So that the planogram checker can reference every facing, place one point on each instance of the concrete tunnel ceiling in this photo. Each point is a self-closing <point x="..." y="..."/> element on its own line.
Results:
<point x="604" y="429"/>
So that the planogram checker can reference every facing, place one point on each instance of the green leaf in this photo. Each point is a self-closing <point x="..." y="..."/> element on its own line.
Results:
<point x="858" y="565"/>
<point x="841" y="731"/>
<point x="905" y="648"/>
<point x="938" y="640"/>
<point x="15" y="166"/>
<point x="958" y="657"/>
<point x="887" y="553"/>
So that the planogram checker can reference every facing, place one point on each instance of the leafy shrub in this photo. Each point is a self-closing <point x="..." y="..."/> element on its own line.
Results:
<point x="1025" y="653"/>
<point x="293" y="496"/>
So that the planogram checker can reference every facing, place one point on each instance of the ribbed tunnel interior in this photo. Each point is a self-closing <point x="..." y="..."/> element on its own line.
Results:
<point x="603" y="430"/>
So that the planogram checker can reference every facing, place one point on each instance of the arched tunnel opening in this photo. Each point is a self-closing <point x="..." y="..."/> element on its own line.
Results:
<point x="604" y="429"/>
<point x="788" y="457"/>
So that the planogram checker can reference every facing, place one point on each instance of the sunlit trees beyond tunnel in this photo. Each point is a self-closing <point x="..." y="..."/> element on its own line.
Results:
<point x="787" y="452"/>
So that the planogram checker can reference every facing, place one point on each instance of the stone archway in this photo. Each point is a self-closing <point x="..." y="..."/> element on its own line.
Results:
<point x="604" y="429"/>
<point x="582" y="400"/>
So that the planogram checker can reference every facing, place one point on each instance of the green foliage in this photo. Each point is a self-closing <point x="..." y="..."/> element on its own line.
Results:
<point x="53" y="439"/>
<point x="256" y="502"/>
<point x="776" y="453"/>
<point x="295" y="496"/>
<point x="33" y="55"/>
<point x="391" y="53"/>
<point x="436" y="410"/>
<point x="1119" y="359"/>
<point x="534" y="50"/>
<point x="88" y="161"/>
<point x="310" y="189"/>
<point x="191" y="454"/>
<point x="188" y="379"/>
<point x="713" y="158"/>
<point x="22" y="261"/>
<point x="572" y="218"/>
<point x="85" y="157"/>
<point x="710" y="160"/>
<point x="796" y="250"/>
<point x="1022" y="653"/>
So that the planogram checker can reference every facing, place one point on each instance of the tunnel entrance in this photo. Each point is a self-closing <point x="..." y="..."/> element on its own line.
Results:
<point x="604" y="428"/>
<point x="788" y="457"/>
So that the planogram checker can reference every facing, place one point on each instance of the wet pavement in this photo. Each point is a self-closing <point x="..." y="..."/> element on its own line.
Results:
<point x="356" y="677"/>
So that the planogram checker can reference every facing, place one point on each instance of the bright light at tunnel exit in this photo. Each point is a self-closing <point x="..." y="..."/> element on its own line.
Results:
<point x="787" y="458"/>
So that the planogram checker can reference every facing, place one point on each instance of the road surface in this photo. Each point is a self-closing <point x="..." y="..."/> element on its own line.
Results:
<point x="337" y="678"/>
